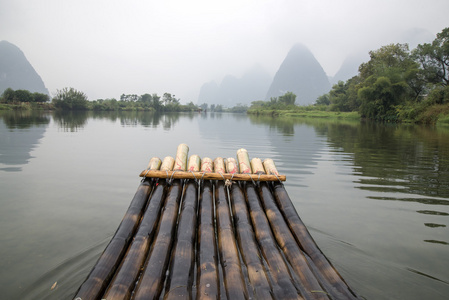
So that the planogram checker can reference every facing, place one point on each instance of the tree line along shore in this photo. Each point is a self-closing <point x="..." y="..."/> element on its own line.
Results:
<point x="396" y="85"/>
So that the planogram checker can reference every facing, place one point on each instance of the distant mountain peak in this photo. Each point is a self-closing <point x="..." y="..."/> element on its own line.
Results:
<point x="301" y="74"/>
<point x="16" y="72"/>
<point x="231" y="91"/>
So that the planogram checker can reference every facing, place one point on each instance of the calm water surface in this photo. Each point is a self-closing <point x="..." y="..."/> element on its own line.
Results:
<point x="375" y="197"/>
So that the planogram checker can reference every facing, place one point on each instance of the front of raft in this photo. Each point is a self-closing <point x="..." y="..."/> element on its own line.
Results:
<point x="199" y="228"/>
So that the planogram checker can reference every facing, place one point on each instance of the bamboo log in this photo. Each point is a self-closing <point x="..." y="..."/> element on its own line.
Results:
<point x="219" y="166"/>
<point x="243" y="161"/>
<point x="231" y="166"/>
<point x="283" y="287"/>
<point x="154" y="164"/>
<point x="207" y="165"/>
<point x="229" y="257"/>
<point x="194" y="163"/>
<point x="181" y="158"/>
<point x="208" y="287"/>
<point x="289" y="246"/>
<point x="151" y="281"/>
<point x="211" y="176"/>
<point x="305" y="239"/>
<point x="180" y="280"/>
<point x="98" y="279"/>
<point x="257" y="167"/>
<point x="245" y="234"/>
<point x="126" y="276"/>
<point x="168" y="164"/>
<point x="248" y="245"/>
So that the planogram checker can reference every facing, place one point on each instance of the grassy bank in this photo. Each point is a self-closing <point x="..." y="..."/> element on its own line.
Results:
<point x="306" y="112"/>
<point x="414" y="114"/>
<point x="26" y="106"/>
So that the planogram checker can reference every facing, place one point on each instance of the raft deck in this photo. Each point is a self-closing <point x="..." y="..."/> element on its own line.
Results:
<point x="221" y="229"/>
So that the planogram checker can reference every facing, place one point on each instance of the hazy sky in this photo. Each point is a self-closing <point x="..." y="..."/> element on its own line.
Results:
<point x="109" y="47"/>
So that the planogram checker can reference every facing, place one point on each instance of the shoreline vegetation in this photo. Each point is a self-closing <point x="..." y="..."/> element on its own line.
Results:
<point x="396" y="86"/>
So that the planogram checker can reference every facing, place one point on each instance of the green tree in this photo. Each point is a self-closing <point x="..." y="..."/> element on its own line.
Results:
<point x="288" y="98"/>
<point x="338" y="97"/>
<point x="129" y="98"/>
<point x="70" y="99"/>
<point x="434" y="58"/>
<point x="41" y="98"/>
<point x="156" y="103"/>
<point x="11" y="96"/>
<point x="323" y="100"/>
<point x="343" y="95"/>
<point x="170" y="102"/>
<point x="380" y="97"/>
<point x="145" y="98"/>
<point x="23" y="96"/>
<point x="386" y="80"/>
<point x="8" y="95"/>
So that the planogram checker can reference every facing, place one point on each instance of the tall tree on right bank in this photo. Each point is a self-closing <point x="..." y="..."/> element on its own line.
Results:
<point x="434" y="61"/>
<point x="388" y="79"/>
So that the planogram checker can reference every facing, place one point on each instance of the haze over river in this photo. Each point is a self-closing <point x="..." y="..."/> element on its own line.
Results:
<point x="375" y="197"/>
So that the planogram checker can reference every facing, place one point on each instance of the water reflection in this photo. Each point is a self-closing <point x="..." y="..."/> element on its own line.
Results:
<point x="389" y="161"/>
<point x="284" y="126"/>
<point x="20" y="131"/>
<point x="23" y="119"/>
<point x="71" y="121"/>
<point x="389" y="158"/>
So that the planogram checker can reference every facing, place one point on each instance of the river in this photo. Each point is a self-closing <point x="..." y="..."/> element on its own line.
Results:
<point x="375" y="197"/>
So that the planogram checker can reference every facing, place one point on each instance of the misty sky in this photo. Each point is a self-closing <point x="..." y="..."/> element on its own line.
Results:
<point x="108" y="47"/>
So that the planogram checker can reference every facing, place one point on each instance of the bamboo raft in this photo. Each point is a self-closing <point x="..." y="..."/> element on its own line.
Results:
<point x="221" y="229"/>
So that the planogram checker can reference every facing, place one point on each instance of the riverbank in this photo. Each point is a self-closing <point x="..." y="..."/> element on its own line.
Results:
<point x="306" y="113"/>
<point x="433" y="114"/>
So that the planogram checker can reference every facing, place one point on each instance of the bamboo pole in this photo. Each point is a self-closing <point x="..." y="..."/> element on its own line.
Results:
<point x="181" y="158"/>
<point x="289" y="246"/>
<point x="211" y="176"/>
<point x="194" y="163"/>
<point x="150" y="284"/>
<point x="219" y="168"/>
<point x="207" y="165"/>
<point x="231" y="166"/>
<point x="229" y="257"/>
<point x="282" y="286"/>
<point x="124" y="280"/>
<point x="151" y="281"/>
<point x="208" y="287"/>
<point x="219" y="165"/>
<point x="154" y="164"/>
<point x="167" y="164"/>
<point x="180" y="280"/>
<point x="243" y="161"/>
<point x="98" y="279"/>
<point x="246" y="239"/>
<point x="305" y="239"/>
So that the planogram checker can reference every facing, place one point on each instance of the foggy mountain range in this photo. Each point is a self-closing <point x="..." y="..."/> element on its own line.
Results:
<point x="300" y="73"/>
<point x="232" y="90"/>
<point x="16" y="72"/>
